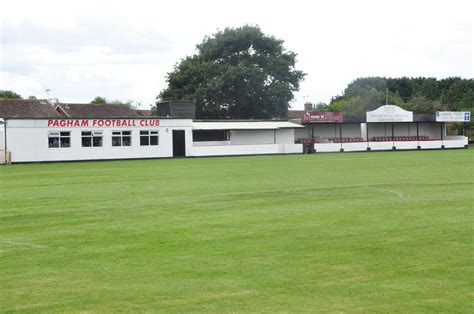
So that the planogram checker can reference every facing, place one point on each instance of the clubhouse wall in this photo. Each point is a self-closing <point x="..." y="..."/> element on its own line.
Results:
<point x="30" y="140"/>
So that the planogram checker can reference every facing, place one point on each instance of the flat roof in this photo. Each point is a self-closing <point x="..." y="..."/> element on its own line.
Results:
<point x="245" y="125"/>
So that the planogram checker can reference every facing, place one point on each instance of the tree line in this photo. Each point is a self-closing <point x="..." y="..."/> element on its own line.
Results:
<point x="422" y="95"/>
<point x="8" y="94"/>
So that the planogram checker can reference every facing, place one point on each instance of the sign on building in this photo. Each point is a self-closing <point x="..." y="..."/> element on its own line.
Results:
<point x="453" y="116"/>
<point x="389" y="113"/>
<point x="321" y="117"/>
<point x="61" y="123"/>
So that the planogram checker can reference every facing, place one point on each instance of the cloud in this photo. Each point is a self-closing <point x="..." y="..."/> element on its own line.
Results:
<point x="86" y="31"/>
<point x="22" y="84"/>
<point x="123" y="50"/>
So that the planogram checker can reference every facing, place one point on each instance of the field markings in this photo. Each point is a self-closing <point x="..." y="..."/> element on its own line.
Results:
<point x="21" y="245"/>
<point x="399" y="194"/>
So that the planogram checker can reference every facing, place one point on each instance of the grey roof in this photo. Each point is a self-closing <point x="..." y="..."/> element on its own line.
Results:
<point x="23" y="108"/>
<point x="144" y="113"/>
<point x="244" y="125"/>
<point x="295" y="114"/>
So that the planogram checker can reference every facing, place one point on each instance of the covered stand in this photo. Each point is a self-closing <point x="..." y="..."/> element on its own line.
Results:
<point x="331" y="132"/>
<point x="391" y="127"/>
<point x="386" y="128"/>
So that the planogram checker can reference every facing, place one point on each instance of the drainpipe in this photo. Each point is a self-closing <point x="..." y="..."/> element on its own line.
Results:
<point x="2" y="121"/>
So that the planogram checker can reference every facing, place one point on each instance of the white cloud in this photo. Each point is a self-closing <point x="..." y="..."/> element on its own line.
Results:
<point x="21" y="84"/>
<point x="123" y="50"/>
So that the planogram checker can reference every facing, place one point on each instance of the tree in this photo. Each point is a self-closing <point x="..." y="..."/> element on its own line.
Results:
<point x="430" y="89"/>
<point x="8" y="94"/>
<point x="128" y="103"/>
<point x="320" y="106"/>
<point x="421" y="95"/>
<point x="99" y="100"/>
<point x="361" y="85"/>
<point x="460" y="95"/>
<point x="363" y="101"/>
<point x="337" y="104"/>
<point x="422" y="105"/>
<point x="103" y="100"/>
<point x="238" y="73"/>
<point x="403" y="85"/>
<point x="359" y="105"/>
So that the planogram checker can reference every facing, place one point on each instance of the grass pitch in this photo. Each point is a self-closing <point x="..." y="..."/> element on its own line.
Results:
<point x="386" y="232"/>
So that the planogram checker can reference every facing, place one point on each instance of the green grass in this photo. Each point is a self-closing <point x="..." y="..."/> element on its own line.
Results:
<point x="385" y="232"/>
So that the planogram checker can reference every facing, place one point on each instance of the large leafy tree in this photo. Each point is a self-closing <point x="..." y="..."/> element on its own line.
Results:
<point x="238" y="73"/>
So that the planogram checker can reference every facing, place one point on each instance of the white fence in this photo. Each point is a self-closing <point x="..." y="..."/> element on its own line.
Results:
<point x="229" y="150"/>
<point x="447" y="142"/>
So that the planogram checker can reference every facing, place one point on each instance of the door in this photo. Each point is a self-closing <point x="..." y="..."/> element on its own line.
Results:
<point x="179" y="143"/>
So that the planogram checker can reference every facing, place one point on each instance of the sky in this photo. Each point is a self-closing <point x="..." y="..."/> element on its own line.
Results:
<point x="123" y="50"/>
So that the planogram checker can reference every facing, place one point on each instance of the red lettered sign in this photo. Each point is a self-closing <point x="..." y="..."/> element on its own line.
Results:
<point x="63" y="123"/>
<point x="68" y="123"/>
<point x="321" y="117"/>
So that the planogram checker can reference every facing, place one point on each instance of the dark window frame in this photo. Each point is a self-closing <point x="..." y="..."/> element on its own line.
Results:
<point x="59" y="139"/>
<point x="211" y="135"/>
<point x="92" y="136"/>
<point x="149" y="138"/>
<point x="122" y="138"/>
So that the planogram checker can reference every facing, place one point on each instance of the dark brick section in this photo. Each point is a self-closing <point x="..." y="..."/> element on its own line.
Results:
<point x="179" y="109"/>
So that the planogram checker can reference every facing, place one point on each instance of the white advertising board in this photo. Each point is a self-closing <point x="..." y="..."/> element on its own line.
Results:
<point x="389" y="113"/>
<point x="453" y="116"/>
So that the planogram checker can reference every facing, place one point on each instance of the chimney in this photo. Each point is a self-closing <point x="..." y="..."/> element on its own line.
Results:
<point x="308" y="106"/>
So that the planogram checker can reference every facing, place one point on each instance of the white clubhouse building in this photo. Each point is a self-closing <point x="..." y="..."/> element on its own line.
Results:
<point x="37" y="131"/>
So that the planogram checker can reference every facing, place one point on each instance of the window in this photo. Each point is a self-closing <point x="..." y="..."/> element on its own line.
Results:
<point x="92" y="138"/>
<point x="210" y="135"/>
<point x="121" y="138"/>
<point x="148" y="138"/>
<point x="59" y="139"/>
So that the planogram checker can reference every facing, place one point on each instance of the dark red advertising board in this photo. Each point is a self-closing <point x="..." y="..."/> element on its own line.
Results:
<point x="321" y="117"/>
